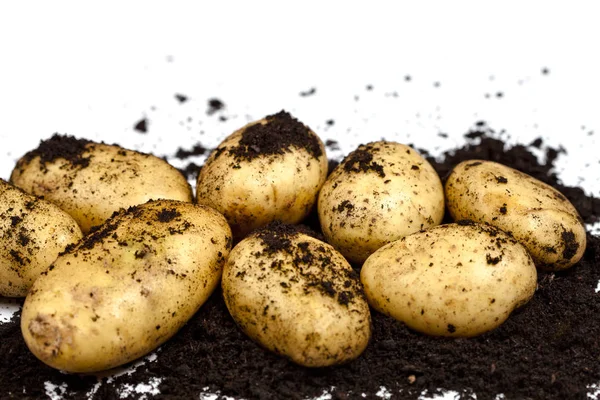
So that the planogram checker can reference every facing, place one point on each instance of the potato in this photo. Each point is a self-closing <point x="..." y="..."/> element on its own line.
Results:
<point x="536" y="214"/>
<point x="271" y="169"/>
<point x="296" y="296"/>
<point x="127" y="287"/>
<point x="452" y="280"/>
<point x="32" y="233"/>
<point x="379" y="193"/>
<point x="92" y="180"/>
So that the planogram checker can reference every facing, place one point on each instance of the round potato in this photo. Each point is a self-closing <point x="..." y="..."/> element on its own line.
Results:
<point x="127" y="287"/>
<point x="268" y="170"/>
<point x="91" y="180"/>
<point x="451" y="280"/>
<point x="296" y="296"/>
<point x="536" y="214"/>
<point x="32" y="233"/>
<point x="379" y="193"/>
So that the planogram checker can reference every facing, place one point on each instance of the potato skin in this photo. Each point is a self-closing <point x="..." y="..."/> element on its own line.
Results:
<point x="450" y="280"/>
<point x="300" y="299"/>
<point x="536" y="214"/>
<point x="127" y="287"/>
<point x="379" y="193"/>
<point x="259" y="187"/>
<point x="91" y="180"/>
<point x="32" y="233"/>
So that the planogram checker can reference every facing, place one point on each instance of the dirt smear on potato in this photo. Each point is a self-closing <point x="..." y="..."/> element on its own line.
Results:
<point x="549" y="349"/>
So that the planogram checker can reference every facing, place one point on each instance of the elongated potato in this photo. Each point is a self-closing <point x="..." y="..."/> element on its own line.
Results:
<point x="271" y="169"/>
<point x="127" y="287"/>
<point x="536" y="214"/>
<point x="32" y="233"/>
<point x="379" y="193"/>
<point x="296" y="296"/>
<point x="451" y="280"/>
<point x="91" y="180"/>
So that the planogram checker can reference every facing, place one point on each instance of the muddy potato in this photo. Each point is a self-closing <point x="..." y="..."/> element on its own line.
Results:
<point x="536" y="214"/>
<point x="450" y="280"/>
<point x="296" y="296"/>
<point x="379" y="193"/>
<point x="127" y="287"/>
<point x="92" y="180"/>
<point x="32" y="233"/>
<point x="268" y="170"/>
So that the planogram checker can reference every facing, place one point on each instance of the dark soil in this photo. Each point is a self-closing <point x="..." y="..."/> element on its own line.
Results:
<point x="361" y="160"/>
<point x="549" y="349"/>
<point x="141" y="126"/>
<point x="214" y="105"/>
<point x="196" y="150"/>
<point x="191" y="171"/>
<point x="59" y="146"/>
<point x="182" y="98"/>
<point x="277" y="135"/>
<point x="308" y="92"/>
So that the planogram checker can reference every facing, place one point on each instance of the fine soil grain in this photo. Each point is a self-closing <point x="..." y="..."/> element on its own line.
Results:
<point x="549" y="349"/>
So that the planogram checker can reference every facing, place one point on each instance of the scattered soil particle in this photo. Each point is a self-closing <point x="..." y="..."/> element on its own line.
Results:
<point x="181" y="98"/>
<point x="214" y="105"/>
<point x="308" y="92"/>
<point x="197" y="150"/>
<point x="141" y="126"/>
<point x="332" y="144"/>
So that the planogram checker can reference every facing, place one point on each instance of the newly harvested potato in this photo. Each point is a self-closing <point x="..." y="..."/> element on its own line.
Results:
<point x="452" y="280"/>
<point x="536" y="214"/>
<point x="379" y="193"/>
<point x="91" y="180"/>
<point x="296" y="296"/>
<point x="127" y="287"/>
<point x="271" y="169"/>
<point x="32" y="233"/>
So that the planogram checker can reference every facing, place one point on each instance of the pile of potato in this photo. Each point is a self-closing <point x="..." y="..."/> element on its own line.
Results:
<point x="151" y="256"/>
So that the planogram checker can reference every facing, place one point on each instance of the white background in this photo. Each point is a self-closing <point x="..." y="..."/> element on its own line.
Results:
<point x="94" y="69"/>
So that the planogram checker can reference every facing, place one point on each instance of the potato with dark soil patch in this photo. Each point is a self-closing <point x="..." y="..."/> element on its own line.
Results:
<point x="379" y="193"/>
<point x="297" y="296"/>
<point x="32" y="233"/>
<point x="271" y="169"/>
<point x="535" y="213"/>
<point x="91" y="180"/>
<point x="127" y="287"/>
<point x="451" y="280"/>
